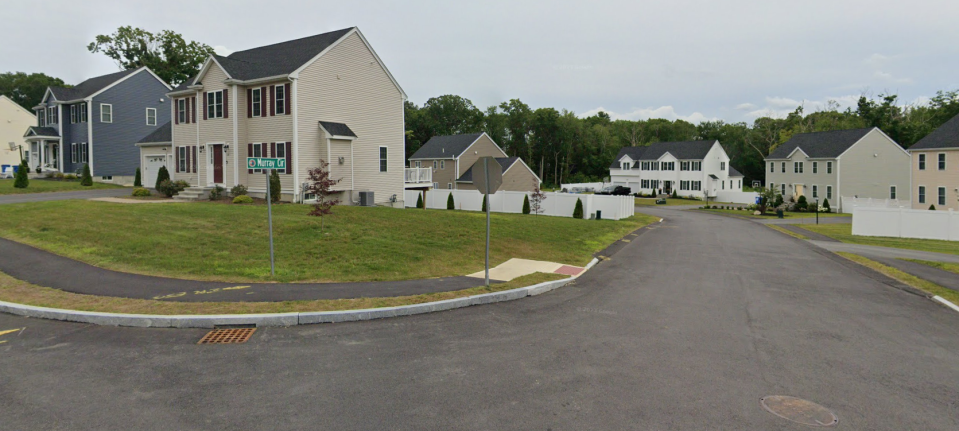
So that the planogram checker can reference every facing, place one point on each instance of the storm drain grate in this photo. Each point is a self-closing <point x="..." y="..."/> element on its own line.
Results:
<point x="227" y="336"/>
<point x="799" y="410"/>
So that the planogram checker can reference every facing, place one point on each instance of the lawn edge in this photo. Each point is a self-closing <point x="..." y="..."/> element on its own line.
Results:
<point x="889" y="272"/>
<point x="783" y="230"/>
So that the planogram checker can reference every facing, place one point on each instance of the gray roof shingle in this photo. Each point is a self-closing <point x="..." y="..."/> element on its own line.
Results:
<point x="733" y="172"/>
<point x="685" y="150"/>
<point x="505" y="162"/>
<point x="820" y="145"/>
<point x="946" y="136"/>
<point x="42" y="131"/>
<point x="162" y="134"/>
<point x="90" y="86"/>
<point x="277" y="59"/>
<point x="337" y="129"/>
<point x="445" y="147"/>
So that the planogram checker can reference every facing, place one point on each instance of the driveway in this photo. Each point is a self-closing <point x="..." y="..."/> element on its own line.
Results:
<point x="60" y="196"/>
<point x="686" y="327"/>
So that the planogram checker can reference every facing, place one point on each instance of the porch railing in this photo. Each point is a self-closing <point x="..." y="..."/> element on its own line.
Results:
<point x="419" y="176"/>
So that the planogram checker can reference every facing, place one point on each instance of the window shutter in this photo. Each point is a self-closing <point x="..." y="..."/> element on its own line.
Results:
<point x="249" y="103"/>
<point x="272" y="149"/>
<point x="286" y="93"/>
<point x="176" y="151"/>
<point x="226" y="103"/>
<point x="273" y="102"/>
<point x="194" y="159"/>
<point x="176" y="111"/>
<point x="289" y="159"/>
<point x="186" y="104"/>
<point x="192" y="116"/>
<point x="188" y="165"/>
<point x="206" y="105"/>
<point x="263" y="97"/>
<point x="249" y="148"/>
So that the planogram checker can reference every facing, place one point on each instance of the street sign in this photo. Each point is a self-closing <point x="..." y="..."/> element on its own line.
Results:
<point x="265" y="163"/>
<point x="493" y="171"/>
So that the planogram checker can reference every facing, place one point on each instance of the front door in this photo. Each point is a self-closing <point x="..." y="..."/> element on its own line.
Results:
<point x="218" y="164"/>
<point x="667" y="187"/>
<point x="799" y="190"/>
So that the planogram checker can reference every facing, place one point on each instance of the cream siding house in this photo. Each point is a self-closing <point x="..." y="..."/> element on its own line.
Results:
<point x="450" y="158"/>
<point x="935" y="168"/>
<point x="327" y="98"/>
<point x="14" y="119"/>
<point x="863" y="163"/>
<point x="691" y="168"/>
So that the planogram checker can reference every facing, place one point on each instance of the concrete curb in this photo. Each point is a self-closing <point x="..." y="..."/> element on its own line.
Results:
<point x="277" y="319"/>
<point x="946" y="302"/>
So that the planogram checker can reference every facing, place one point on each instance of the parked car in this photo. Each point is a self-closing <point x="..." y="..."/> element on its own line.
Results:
<point x="615" y="191"/>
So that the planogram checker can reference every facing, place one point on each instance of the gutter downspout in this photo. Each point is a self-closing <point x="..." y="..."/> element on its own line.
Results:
<point x="297" y="189"/>
<point x="236" y="144"/>
<point x="90" y="134"/>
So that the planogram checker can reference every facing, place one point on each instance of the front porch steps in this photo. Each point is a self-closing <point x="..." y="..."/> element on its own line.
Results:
<point x="193" y="194"/>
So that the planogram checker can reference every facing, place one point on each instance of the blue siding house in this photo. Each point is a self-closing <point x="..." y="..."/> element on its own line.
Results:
<point x="98" y="122"/>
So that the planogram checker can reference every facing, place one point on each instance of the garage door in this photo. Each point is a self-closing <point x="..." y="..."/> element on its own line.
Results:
<point x="153" y="164"/>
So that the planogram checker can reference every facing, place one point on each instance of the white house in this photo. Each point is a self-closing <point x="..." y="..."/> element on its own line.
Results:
<point x="14" y="119"/>
<point x="691" y="168"/>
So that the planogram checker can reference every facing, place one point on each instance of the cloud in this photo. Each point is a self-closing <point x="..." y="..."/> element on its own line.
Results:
<point x="876" y="59"/>
<point x="889" y="78"/>
<point x="664" y="112"/>
<point x="780" y="107"/>
<point x="222" y="50"/>
<point x="745" y="107"/>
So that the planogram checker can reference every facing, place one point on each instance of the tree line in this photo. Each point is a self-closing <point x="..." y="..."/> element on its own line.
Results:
<point x="564" y="148"/>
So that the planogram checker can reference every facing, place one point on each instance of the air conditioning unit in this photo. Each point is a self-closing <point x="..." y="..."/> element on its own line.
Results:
<point x="366" y="199"/>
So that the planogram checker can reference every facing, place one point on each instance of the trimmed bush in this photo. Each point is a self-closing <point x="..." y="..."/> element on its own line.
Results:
<point x="932" y="207"/>
<point x="162" y="175"/>
<point x="167" y="188"/>
<point x="802" y="204"/>
<point x="526" y="204"/>
<point x="87" y="179"/>
<point x="141" y="192"/>
<point x="238" y="190"/>
<point x="483" y="209"/>
<point x="825" y="206"/>
<point x="578" y="211"/>
<point x="450" y="205"/>
<point x="274" y="186"/>
<point x="70" y="177"/>
<point x="419" y="201"/>
<point x="217" y="193"/>
<point x="21" y="179"/>
<point x="136" y="179"/>
<point x="675" y="195"/>
<point x="243" y="199"/>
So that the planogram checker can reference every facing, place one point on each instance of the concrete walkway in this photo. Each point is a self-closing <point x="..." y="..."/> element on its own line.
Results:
<point x="61" y="196"/>
<point x="515" y="268"/>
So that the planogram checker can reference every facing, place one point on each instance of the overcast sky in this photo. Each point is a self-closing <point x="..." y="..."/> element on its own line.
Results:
<point x="693" y="59"/>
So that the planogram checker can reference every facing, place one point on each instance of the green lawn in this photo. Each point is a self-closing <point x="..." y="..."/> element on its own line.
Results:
<point x="215" y="241"/>
<point x="44" y="186"/>
<point x="945" y="266"/>
<point x="843" y="232"/>
<point x="791" y="215"/>
<point x="916" y="282"/>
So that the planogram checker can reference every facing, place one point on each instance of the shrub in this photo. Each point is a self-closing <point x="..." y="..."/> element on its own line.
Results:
<point x="167" y="188"/>
<point x="141" y="192"/>
<point x="136" y="179"/>
<point x="70" y="177"/>
<point x="450" y="205"/>
<point x="526" y="204"/>
<point x="802" y="204"/>
<point x="238" y="190"/>
<point x="162" y="175"/>
<point x="22" y="180"/>
<point x="779" y="200"/>
<point x="38" y="170"/>
<point x="50" y="174"/>
<point x="825" y="206"/>
<point x="58" y="176"/>
<point x="483" y="209"/>
<point x="243" y="199"/>
<point x="419" y="201"/>
<point x="675" y="195"/>
<point x="181" y="185"/>
<point x="932" y="207"/>
<point x="87" y="179"/>
<point x="578" y="211"/>
<point x="274" y="186"/>
<point x="217" y="193"/>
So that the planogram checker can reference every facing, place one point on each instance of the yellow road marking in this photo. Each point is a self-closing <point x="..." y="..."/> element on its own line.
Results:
<point x="9" y="331"/>
<point x="236" y="288"/>
<point x="4" y="341"/>
<point x="624" y="240"/>
<point x="172" y="295"/>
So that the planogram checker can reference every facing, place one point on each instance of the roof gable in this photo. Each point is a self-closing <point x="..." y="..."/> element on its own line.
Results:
<point x="446" y="147"/>
<point x="162" y="134"/>
<point x="90" y="86"/>
<point x="684" y="150"/>
<point x="505" y="162"/>
<point x="820" y="145"/>
<point x="945" y="136"/>
<point x="277" y="59"/>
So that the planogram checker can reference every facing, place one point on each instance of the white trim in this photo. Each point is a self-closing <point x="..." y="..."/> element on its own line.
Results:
<point x="49" y="92"/>
<point x="60" y="119"/>
<point x="332" y="136"/>
<point x="236" y="144"/>
<point x="89" y="103"/>
<point x="790" y="156"/>
<point x="379" y="159"/>
<point x="273" y="100"/>
<point x="111" y="113"/>
<point x="154" y="116"/>
<point x="520" y="160"/>
<point x="296" y="140"/>
<point x="206" y="67"/>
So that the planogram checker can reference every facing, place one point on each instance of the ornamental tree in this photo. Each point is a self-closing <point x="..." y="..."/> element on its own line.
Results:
<point x="320" y="184"/>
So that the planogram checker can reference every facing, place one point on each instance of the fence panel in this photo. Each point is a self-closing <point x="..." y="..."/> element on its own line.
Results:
<point x="555" y="204"/>
<point x="905" y="223"/>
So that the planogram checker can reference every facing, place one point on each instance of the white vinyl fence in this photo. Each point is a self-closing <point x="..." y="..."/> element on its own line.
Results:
<point x="905" y="223"/>
<point x="555" y="204"/>
<point x="736" y="197"/>
<point x="595" y="186"/>
<point x="848" y="203"/>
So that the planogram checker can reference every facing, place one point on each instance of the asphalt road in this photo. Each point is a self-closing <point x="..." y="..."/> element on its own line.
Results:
<point x="61" y="196"/>
<point x="686" y="328"/>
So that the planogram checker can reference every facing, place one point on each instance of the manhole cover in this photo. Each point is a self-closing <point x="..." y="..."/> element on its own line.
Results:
<point x="227" y="336"/>
<point x="799" y="411"/>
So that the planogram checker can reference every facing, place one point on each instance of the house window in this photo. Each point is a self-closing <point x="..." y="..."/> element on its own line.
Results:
<point x="782" y="189"/>
<point x="828" y="192"/>
<point x="214" y="104"/>
<point x="922" y="162"/>
<point x="624" y="166"/>
<point x="892" y="192"/>
<point x="442" y="164"/>
<point x="797" y="167"/>
<point x="309" y="197"/>
<point x="815" y="191"/>
<point x="258" y="152"/>
<point x="279" y="99"/>
<point x="683" y="166"/>
<point x="772" y="167"/>
<point x="74" y="156"/>
<point x="52" y="115"/>
<point x="73" y="114"/>
<point x="436" y="185"/>
<point x="181" y="110"/>
<point x="83" y="113"/>
<point x="922" y="194"/>
<point x="382" y="159"/>
<point x="84" y="147"/>
<point x="722" y="185"/>
<point x="449" y="186"/>
<point x="151" y="117"/>
<point x="942" y="196"/>
<point x="772" y="186"/>
<point x="255" y="104"/>
<point x="434" y="164"/>
<point x="697" y="166"/>
<point x="942" y="161"/>
<point x="722" y="166"/>
<point x="182" y="161"/>
<point x="783" y="167"/>
<point x="815" y="167"/>
<point x="106" y="113"/>
<point x="107" y="178"/>
<point x="280" y="153"/>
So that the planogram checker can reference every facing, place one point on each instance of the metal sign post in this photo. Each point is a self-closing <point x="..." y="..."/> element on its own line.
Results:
<point x="268" y="164"/>
<point x="486" y="170"/>
<point x="487" y="181"/>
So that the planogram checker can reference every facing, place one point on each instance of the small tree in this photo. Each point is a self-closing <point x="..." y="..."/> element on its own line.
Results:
<point x="484" y="203"/>
<point x="932" y="207"/>
<point x="162" y="175"/>
<point x="767" y="197"/>
<point x="825" y="205"/>
<point x="136" y="179"/>
<point x="450" y="205"/>
<point x="274" y="186"/>
<point x="536" y="203"/>
<point x="779" y="200"/>
<point x="419" y="201"/>
<point x="87" y="179"/>
<point x="525" y="204"/>
<point x="319" y="183"/>
<point x="578" y="211"/>
<point x="802" y="204"/>
<point x="22" y="178"/>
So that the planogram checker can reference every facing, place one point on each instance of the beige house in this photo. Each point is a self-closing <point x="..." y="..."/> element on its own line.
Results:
<point x="863" y="163"/>
<point x="326" y="97"/>
<point x="14" y="119"/>
<point x="448" y="159"/>
<point x="935" y="168"/>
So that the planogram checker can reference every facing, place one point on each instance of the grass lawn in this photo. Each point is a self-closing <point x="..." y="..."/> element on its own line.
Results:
<point x="918" y="283"/>
<point x="21" y="292"/>
<point x="945" y="266"/>
<point x="44" y="186"/>
<point x="749" y="214"/>
<point x="843" y="232"/>
<point x="214" y="241"/>
<point x="786" y="231"/>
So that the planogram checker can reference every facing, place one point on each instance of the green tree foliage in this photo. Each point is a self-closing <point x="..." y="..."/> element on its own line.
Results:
<point x="274" y="186"/>
<point x="932" y="207"/>
<point x="419" y="201"/>
<point x="162" y="175"/>
<point x="450" y="205"/>
<point x="136" y="179"/>
<point x="526" y="204"/>
<point x="166" y="53"/>
<point x="27" y="90"/>
<point x="802" y="204"/>
<point x="578" y="211"/>
<point x="483" y="209"/>
<point x="825" y="205"/>
<point x="22" y="179"/>
<point x="86" y="179"/>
